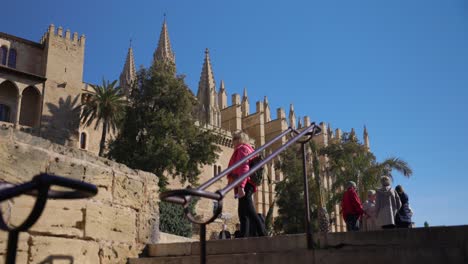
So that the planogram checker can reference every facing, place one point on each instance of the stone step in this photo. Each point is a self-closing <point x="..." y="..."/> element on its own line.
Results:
<point x="421" y="245"/>
<point x="348" y="254"/>
<point x="416" y="236"/>
<point x="233" y="246"/>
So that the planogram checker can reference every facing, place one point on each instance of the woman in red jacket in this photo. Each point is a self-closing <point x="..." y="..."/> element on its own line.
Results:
<point x="246" y="209"/>
<point x="351" y="207"/>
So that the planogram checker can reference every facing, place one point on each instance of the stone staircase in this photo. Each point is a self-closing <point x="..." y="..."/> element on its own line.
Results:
<point x="421" y="245"/>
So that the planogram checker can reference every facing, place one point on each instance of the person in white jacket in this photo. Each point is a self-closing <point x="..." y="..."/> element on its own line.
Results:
<point x="369" y="222"/>
<point x="387" y="204"/>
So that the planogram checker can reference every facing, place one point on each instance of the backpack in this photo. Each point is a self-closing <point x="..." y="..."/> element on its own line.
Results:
<point x="257" y="177"/>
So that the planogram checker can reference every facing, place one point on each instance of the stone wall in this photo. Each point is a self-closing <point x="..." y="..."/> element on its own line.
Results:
<point x="108" y="228"/>
<point x="204" y="207"/>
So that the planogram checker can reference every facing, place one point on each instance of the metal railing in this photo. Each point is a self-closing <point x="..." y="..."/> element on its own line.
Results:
<point x="39" y="186"/>
<point x="184" y="196"/>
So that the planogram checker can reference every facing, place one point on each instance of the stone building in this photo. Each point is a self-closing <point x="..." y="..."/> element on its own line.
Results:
<point x="41" y="85"/>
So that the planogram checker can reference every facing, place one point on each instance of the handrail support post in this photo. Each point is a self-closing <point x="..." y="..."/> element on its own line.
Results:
<point x="310" y="242"/>
<point x="203" y="244"/>
<point x="12" y="246"/>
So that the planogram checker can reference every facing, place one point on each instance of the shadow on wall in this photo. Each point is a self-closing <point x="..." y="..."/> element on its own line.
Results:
<point x="62" y="125"/>
<point x="58" y="259"/>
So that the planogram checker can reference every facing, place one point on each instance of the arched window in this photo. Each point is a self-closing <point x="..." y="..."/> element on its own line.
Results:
<point x="83" y="140"/>
<point x="3" y="55"/>
<point x="219" y="170"/>
<point x="214" y="170"/>
<point x="4" y="113"/>
<point x="12" y="58"/>
<point x="30" y="107"/>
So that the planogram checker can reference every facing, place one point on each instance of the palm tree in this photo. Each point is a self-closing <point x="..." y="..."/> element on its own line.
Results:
<point x="104" y="106"/>
<point x="350" y="160"/>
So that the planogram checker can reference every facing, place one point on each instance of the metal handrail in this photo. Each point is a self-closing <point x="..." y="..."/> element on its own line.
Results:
<point x="39" y="186"/>
<point x="183" y="196"/>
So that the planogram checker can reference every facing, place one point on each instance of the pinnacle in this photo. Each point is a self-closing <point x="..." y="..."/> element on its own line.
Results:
<point x="245" y="97"/>
<point x="221" y="87"/>
<point x="164" y="50"/>
<point x="128" y="75"/>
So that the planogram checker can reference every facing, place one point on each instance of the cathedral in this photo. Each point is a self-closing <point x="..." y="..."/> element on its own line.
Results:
<point x="41" y="85"/>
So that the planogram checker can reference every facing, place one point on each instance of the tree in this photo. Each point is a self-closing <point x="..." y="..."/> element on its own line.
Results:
<point x="290" y="194"/>
<point x="103" y="106"/>
<point x="349" y="160"/>
<point x="159" y="133"/>
<point x="343" y="160"/>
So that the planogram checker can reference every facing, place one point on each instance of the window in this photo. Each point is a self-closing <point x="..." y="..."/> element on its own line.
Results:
<point x="4" y="113"/>
<point x="219" y="169"/>
<point x="214" y="170"/>
<point x="12" y="58"/>
<point x="83" y="140"/>
<point x="3" y="55"/>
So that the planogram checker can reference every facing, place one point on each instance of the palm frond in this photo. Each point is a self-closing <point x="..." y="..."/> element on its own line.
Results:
<point x="397" y="164"/>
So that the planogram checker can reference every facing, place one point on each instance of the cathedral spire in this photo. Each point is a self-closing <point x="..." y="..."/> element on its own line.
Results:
<point x="128" y="75"/>
<point x="207" y="96"/>
<point x="164" y="50"/>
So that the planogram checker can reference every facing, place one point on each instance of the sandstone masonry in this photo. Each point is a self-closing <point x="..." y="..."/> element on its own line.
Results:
<point x="108" y="228"/>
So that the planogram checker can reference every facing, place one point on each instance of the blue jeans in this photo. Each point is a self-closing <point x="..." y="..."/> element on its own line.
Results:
<point x="352" y="222"/>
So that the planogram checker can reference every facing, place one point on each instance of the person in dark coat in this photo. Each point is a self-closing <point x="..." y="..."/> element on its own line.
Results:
<point x="237" y="233"/>
<point x="224" y="234"/>
<point x="351" y="207"/>
<point x="403" y="217"/>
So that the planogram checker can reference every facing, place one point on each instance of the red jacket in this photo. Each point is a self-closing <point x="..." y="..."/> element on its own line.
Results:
<point x="240" y="152"/>
<point x="351" y="204"/>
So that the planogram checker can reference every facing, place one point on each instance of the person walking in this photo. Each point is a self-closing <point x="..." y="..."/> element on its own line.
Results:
<point x="351" y="207"/>
<point x="387" y="204"/>
<point x="370" y="221"/>
<point x="244" y="191"/>
<point x="403" y="217"/>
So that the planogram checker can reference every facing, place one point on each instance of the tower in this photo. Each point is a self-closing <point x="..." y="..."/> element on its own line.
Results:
<point x="63" y="67"/>
<point x="208" y="110"/>
<point x="128" y="75"/>
<point x="164" y="50"/>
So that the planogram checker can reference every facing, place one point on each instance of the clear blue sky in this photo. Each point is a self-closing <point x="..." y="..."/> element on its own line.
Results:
<point x="400" y="67"/>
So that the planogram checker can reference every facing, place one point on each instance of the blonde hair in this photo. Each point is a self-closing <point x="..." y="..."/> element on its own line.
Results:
<point x="241" y="136"/>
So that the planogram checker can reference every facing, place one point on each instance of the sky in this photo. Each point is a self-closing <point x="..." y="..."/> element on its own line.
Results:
<point x="399" y="67"/>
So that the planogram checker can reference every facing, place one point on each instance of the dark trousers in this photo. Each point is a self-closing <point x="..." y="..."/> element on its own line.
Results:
<point x="352" y="223"/>
<point x="400" y="224"/>
<point x="248" y="215"/>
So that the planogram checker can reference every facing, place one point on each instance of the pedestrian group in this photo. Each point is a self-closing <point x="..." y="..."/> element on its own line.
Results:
<point x="385" y="208"/>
